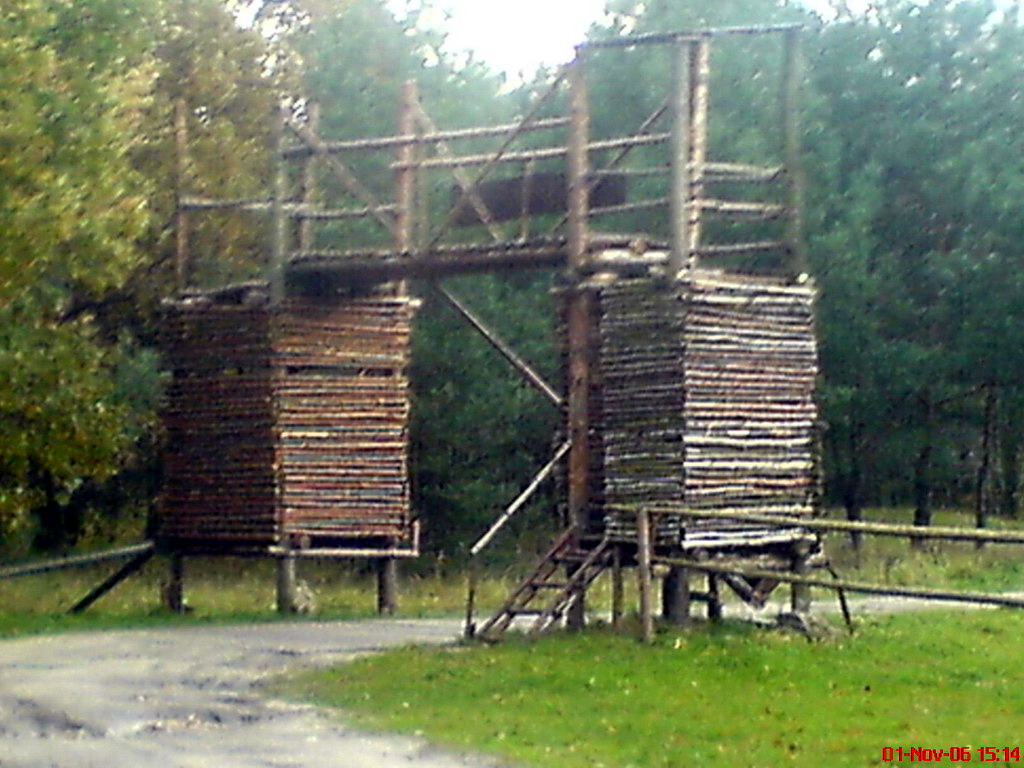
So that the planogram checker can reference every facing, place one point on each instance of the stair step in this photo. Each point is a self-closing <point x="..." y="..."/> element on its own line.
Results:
<point x="566" y="569"/>
<point x="570" y="557"/>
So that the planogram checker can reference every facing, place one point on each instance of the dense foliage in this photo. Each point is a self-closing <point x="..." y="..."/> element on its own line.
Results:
<point x="85" y="127"/>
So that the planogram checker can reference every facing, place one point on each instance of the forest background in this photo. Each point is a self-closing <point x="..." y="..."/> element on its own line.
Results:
<point x="914" y="156"/>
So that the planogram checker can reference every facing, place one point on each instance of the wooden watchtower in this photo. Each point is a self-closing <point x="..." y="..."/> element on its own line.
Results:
<point x="688" y="419"/>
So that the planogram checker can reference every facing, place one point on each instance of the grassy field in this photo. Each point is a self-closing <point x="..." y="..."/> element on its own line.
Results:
<point x="890" y="560"/>
<point x="220" y="590"/>
<point x="234" y="590"/>
<point x="729" y="695"/>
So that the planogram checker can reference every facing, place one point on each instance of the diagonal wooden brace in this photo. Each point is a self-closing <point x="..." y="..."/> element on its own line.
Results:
<point x="528" y="373"/>
<point x="344" y="175"/>
<point x="466" y="185"/>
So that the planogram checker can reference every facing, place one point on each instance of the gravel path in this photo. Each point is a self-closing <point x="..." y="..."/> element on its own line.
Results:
<point x="188" y="698"/>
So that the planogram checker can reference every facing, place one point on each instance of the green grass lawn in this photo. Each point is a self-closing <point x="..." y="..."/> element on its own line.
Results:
<point x="729" y="695"/>
<point x="222" y="590"/>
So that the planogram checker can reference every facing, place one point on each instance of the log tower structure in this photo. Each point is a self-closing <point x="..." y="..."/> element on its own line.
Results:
<point x="688" y="350"/>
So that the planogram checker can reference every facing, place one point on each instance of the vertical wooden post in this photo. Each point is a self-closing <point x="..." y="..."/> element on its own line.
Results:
<point x="578" y="163"/>
<point x="618" y="593"/>
<point x="287" y="592"/>
<point x="279" y="219"/>
<point x="680" y="193"/>
<point x="308" y="183"/>
<point x="579" y="313"/>
<point x="801" y="593"/>
<point x="700" y="73"/>
<point x="714" y="599"/>
<point x="405" y="176"/>
<point x="643" y="545"/>
<point x="181" y="257"/>
<point x="791" y="77"/>
<point x="675" y="597"/>
<point x="175" y="595"/>
<point x="387" y="586"/>
<point x="469" y="631"/>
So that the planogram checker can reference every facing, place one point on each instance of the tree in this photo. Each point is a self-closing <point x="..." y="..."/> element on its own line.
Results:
<point x="911" y="100"/>
<point x="74" y="88"/>
<point x="88" y="154"/>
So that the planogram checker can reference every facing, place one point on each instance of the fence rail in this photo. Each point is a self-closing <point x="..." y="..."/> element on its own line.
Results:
<point x="850" y="526"/>
<point x="75" y="561"/>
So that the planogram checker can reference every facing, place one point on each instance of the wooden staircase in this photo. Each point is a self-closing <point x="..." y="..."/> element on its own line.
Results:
<point x="562" y="574"/>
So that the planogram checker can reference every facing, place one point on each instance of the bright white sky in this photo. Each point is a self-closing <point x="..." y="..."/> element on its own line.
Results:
<point x="516" y="35"/>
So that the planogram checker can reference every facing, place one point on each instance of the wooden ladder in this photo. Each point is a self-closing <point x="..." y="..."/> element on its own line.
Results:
<point x="560" y="576"/>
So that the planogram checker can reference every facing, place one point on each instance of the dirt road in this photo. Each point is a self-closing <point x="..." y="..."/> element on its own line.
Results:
<point x="180" y="698"/>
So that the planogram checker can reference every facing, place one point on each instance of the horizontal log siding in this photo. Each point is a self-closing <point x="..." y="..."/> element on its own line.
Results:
<point x="704" y="398"/>
<point x="287" y="425"/>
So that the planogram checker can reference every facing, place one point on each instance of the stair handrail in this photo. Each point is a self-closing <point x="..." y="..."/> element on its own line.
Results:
<point x="509" y="512"/>
<point x="521" y="499"/>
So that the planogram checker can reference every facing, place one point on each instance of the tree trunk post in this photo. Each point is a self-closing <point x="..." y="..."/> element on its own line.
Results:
<point x="643" y="536"/>
<point x="181" y="223"/>
<point x="680" y="203"/>
<point x="983" y="488"/>
<point x="923" y="470"/>
<point x="175" y="595"/>
<point x="307" y="184"/>
<point x="714" y="599"/>
<point x="791" y="80"/>
<point x="279" y="218"/>
<point x="675" y="597"/>
<point x="387" y="586"/>
<point x="579" y="314"/>
<point x="286" y="585"/>
<point x="800" y="595"/>
<point x="617" y="588"/>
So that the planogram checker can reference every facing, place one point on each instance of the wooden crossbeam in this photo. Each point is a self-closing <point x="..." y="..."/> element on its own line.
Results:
<point x="433" y="137"/>
<point x="846" y="526"/>
<point x="980" y="598"/>
<point x="75" y="561"/>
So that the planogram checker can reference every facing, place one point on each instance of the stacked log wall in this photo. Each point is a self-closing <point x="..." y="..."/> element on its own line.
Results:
<point x="343" y="414"/>
<point x="219" y="481"/>
<point x="703" y="398"/>
<point x="751" y="418"/>
<point x="287" y="426"/>
<point x="638" y="424"/>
